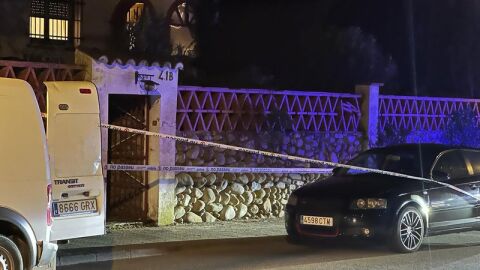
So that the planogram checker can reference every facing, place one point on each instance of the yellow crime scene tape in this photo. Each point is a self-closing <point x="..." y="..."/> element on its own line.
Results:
<point x="134" y="167"/>
<point x="257" y="152"/>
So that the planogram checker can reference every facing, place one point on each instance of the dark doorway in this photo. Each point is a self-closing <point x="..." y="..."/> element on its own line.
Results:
<point x="127" y="190"/>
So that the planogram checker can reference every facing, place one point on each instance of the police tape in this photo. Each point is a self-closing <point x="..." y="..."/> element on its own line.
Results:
<point x="282" y="156"/>
<point x="131" y="167"/>
<point x="254" y="151"/>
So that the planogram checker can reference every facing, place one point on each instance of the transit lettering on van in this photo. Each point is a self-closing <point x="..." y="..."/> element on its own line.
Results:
<point x="66" y="181"/>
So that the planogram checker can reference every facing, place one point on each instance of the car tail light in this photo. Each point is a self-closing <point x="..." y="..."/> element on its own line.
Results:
<point x="49" y="206"/>
<point x="85" y="91"/>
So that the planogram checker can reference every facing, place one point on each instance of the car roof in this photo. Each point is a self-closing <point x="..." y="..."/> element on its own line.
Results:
<point x="429" y="151"/>
<point x="427" y="148"/>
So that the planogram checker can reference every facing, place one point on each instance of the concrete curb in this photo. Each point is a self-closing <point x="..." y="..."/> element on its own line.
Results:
<point x="102" y="254"/>
<point x="124" y="252"/>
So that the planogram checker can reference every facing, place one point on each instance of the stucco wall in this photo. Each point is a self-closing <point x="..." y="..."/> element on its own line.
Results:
<point x="118" y="78"/>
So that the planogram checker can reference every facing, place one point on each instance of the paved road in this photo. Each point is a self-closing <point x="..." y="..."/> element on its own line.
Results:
<point x="455" y="251"/>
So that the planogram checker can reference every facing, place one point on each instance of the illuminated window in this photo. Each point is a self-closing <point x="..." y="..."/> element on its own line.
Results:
<point x="56" y="20"/>
<point x="135" y="12"/>
<point x="37" y="29"/>
<point x="58" y="29"/>
<point x="133" y="18"/>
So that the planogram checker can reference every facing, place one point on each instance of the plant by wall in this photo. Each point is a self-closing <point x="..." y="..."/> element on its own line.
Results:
<point x="392" y="135"/>
<point x="278" y="120"/>
<point x="279" y="125"/>
<point x="462" y="129"/>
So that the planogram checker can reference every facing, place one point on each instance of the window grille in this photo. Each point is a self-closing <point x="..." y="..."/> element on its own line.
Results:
<point x="37" y="27"/>
<point x="56" y="20"/>
<point x="38" y="8"/>
<point x="59" y="9"/>
<point x="77" y="22"/>
<point x="58" y="29"/>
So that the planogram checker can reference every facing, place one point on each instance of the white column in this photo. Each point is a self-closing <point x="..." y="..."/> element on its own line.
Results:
<point x="369" y="113"/>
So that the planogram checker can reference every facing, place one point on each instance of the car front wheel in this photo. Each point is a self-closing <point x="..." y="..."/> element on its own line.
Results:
<point x="409" y="230"/>
<point x="10" y="256"/>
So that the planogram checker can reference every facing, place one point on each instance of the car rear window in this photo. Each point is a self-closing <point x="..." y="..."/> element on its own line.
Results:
<point x="452" y="164"/>
<point x="474" y="159"/>
<point x="398" y="161"/>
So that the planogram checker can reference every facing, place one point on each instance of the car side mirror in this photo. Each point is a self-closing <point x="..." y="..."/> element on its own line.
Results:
<point x="440" y="176"/>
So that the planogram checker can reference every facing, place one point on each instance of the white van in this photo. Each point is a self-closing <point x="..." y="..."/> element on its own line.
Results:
<point x="31" y="219"/>
<point x="74" y="147"/>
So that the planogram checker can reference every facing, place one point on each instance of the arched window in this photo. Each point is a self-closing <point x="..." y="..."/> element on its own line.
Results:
<point x="180" y="14"/>
<point x="181" y="18"/>
<point x="135" y="26"/>
<point x="134" y="15"/>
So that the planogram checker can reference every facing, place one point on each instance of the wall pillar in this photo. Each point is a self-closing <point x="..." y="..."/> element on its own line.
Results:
<point x="166" y="180"/>
<point x="369" y="113"/>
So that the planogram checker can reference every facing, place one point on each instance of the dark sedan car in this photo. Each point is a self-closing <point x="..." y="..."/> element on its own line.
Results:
<point x="398" y="209"/>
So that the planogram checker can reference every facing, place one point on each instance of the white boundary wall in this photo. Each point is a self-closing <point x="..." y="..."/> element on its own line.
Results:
<point x="119" y="78"/>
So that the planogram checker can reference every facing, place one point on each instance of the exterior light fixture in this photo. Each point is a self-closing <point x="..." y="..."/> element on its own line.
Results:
<point x="145" y="81"/>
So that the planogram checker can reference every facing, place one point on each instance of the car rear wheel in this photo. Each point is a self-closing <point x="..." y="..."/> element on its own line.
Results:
<point x="10" y="256"/>
<point x="409" y="230"/>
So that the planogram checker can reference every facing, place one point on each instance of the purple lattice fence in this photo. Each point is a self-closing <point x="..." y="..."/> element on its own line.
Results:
<point x="421" y="113"/>
<point x="36" y="73"/>
<point x="222" y="109"/>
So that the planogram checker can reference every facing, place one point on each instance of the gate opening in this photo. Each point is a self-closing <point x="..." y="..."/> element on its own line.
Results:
<point x="127" y="191"/>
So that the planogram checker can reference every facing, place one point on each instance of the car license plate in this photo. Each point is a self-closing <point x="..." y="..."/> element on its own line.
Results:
<point x="317" y="221"/>
<point x="72" y="208"/>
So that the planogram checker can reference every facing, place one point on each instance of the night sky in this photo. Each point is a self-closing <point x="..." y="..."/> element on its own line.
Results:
<point x="414" y="47"/>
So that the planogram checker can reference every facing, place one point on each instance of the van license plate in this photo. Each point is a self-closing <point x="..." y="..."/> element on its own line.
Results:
<point x="318" y="221"/>
<point x="72" y="208"/>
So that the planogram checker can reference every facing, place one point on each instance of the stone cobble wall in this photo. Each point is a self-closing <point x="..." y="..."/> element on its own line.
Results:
<point x="206" y="197"/>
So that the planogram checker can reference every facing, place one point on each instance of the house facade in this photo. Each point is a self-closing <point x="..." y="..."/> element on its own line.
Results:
<point x="51" y="40"/>
<point x="50" y="30"/>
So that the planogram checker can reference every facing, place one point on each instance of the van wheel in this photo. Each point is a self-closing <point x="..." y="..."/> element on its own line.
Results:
<point x="10" y="256"/>
<point x="408" y="232"/>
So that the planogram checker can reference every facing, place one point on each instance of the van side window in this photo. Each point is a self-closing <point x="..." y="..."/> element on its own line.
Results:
<point x="451" y="164"/>
<point x="474" y="159"/>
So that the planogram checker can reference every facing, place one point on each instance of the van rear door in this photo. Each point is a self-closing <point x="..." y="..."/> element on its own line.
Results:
<point x="74" y="145"/>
